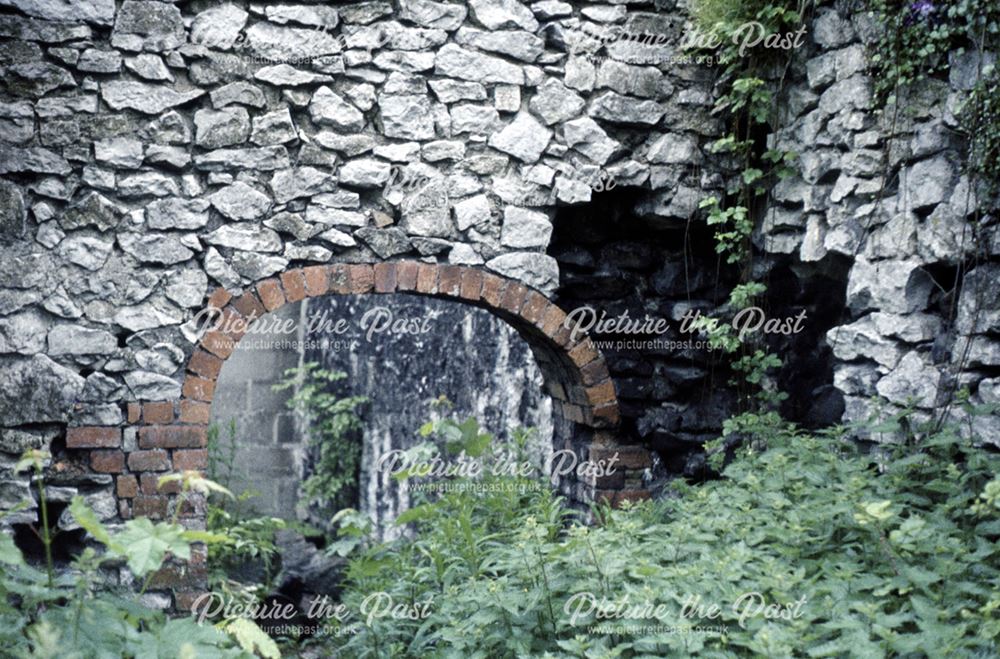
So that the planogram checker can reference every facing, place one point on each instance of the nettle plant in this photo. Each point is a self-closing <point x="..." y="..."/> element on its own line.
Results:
<point x="807" y="548"/>
<point x="73" y="613"/>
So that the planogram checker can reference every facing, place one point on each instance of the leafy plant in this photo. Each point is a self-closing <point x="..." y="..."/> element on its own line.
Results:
<point x="332" y="423"/>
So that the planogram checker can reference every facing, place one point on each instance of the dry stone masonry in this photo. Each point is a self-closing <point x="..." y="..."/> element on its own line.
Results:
<point x="161" y="158"/>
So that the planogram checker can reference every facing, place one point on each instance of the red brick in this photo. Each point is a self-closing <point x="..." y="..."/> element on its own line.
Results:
<point x="249" y="306"/>
<point x="317" y="280"/>
<point x="191" y="459"/>
<point x="134" y="411"/>
<point x="513" y="297"/>
<point x="154" y="507"/>
<point x="472" y="284"/>
<point x="385" y="277"/>
<point x="154" y="460"/>
<point x="493" y="288"/>
<point x="362" y="278"/>
<point x="93" y="437"/>
<point x="583" y="353"/>
<point x="594" y="372"/>
<point x="340" y="279"/>
<point x="427" y="278"/>
<point x="172" y="437"/>
<point x="150" y="485"/>
<point x="534" y="307"/>
<point x="553" y="320"/>
<point x="107" y="462"/>
<point x="126" y="486"/>
<point x="406" y="275"/>
<point x="607" y="415"/>
<point x="450" y="280"/>
<point x="219" y="298"/>
<point x="205" y="364"/>
<point x="233" y="324"/>
<point x="157" y="412"/>
<point x="218" y="344"/>
<point x="294" y="284"/>
<point x="198" y="388"/>
<point x="194" y="412"/>
<point x="271" y="294"/>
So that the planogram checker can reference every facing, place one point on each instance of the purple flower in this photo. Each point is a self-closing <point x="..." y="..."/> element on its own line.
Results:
<point x="921" y="10"/>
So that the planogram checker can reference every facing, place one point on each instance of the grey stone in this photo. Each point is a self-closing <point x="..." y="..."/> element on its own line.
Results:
<point x="631" y="80"/>
<point x="862" y="340"/>
<point x="404" y="61"/>
<point x="329" y="108"/>
<point x="978" y="309"/>
<point x="895" y="286"/>
<point x="175" y="157"/>
<point x="146" y="316"/>
<point x="143" y="97"/>
<point x="76" y="340"/>
<point x="171" y="128"/>
<point x="314" y="253"/>
<point x="525" y="228"/>
<point x="124" y="152"/>
<point x="218" y="27"/>
<point x="265" y="158"/>
<point x="519" y="45"/>
<point x="146" y="25"/>
<point x="406" y="117"/>
<point x="851" y="93"/>
<point x="554" y="102"/>
<point x="338" y="238"/>
<point x="913" y="380"/>
<point x="548" y="9"/>
<point x="476" y="119"/>
<point x="290" y="44"/>
<point x="100" y="61"/>
<point x="457" y="62"/>
<point x="587" y="137"/>
<point x="536" y="270"/>
<point x="32" y="159"/>
<point x="302" y="15"/>
<point x="240" y="201"/>
<point x="149" y="66"/>
<point x="86" y="250"/>
<point x="473" y="212"/>
<point x="501" y="14"/>
<point x="32" y="30"/>
<point x="99" y="12"/>
<point x="363" y="13"/>
<point x="443" y="150"/>
<point x="364" y="173"/>
<point x="217" y="268"/>
<point x="23" y="332"/>
<point x="93" y="210"/>
<point x="524" y="138"/>
<point x="929" y="182"/>
<point x="391" y="33"/>
<point x="36" y="390"/>
<point x="147" y="184"/>
<point x="184" y="214"/>
<point x="186" y="287"/>
<point x="450" y="91"/>
<point x="829" y="30"/>
<point x="673" y="149"/>
<point x="320" y="214"/>
<point x="146" y="385"/>
<point x="292" y="224"/>
<point x="580" y="74"/>
<point x="285" y="75"/>
<point x="386" y="243"/>
<point x="253" y="266"/>
<point x="36" y="79"/>
<point x="218" y="128"/>
<point x="426" y="13"/>
<point x="159" y="248"/>
<point x="404" y="152"/>
<point x="288" y="184"/>
<point x="349" y="145"/>
<point x="60" y="304"/>
<point x="241" y="92"/>
<point x="13" y="212"/>
<point x="618" y="109"/>
<point x="507" y="98"/>
<point x="248" y="237"/>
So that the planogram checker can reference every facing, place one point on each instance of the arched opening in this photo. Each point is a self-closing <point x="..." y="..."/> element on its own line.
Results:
<point x="584" y="403"/>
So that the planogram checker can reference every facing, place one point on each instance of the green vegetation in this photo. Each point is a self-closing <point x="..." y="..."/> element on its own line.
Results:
<point x="898" y="558"/>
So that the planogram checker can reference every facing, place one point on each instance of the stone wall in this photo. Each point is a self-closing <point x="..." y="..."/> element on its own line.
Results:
<point x="159" y="158"/>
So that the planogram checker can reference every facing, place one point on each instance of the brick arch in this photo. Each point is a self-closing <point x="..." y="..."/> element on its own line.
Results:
<point x="172" y="435"/>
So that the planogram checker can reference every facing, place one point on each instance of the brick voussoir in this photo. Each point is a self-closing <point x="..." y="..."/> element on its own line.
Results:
<point x="197" y="388"/>
<point x="317" y="280"/>
<point x="271" y="294"/>
<point x="450" y="280"/>
<point x="339" y="276"/>
<point x="362" y="278"/>
<point x="406" y="275"/>
<point x="205" y="364"/>
<point x="427" y="279"/>
<point x="472" y="284"/>
<point x="385" y="277"/>
<point x="293" y="282"/>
